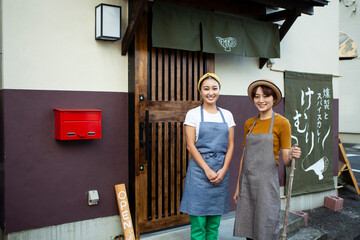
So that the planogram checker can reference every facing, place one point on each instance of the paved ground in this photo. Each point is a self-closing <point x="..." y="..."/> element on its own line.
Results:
<point x="342" y="225"/>
<point x="339" y="225"/>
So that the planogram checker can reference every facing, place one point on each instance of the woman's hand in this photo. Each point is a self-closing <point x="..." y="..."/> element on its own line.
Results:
<point x="220" y="176"/>
<point x="211" y="174"/>
<point x="295" y="152"/>
<point x="236" y="194"/>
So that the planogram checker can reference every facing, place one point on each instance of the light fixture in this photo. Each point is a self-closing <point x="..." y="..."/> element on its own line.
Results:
<point x="270" y="63"/>
<point x="107" y="22"/>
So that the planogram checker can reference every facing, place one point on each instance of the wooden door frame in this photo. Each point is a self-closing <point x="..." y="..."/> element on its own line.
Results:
<point x="141" y="73"/>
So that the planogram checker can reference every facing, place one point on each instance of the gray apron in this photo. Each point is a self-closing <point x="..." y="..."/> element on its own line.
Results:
<point x="200" y="197"/>
<point x="258" y="206"/>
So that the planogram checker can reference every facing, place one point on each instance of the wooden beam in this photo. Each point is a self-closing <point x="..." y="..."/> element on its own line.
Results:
<point x="262" y="62"/>
<point x="134" y="21"/>
<point x="305" y="6"/>
<point x="320" y="2"/>
<point x="276" y="16"/>
<point x="243" y="8"/>
<point x="285" y="27"/>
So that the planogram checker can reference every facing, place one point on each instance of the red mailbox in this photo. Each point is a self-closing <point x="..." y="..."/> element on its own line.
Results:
<point x="74" y="124"/>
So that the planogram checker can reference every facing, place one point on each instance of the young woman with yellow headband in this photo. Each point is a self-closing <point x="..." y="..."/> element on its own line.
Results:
<point x="257" y="191"/>
<point x="209" y="132"/>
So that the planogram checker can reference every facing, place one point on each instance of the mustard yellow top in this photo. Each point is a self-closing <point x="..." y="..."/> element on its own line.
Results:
<point x="281" y="131"/>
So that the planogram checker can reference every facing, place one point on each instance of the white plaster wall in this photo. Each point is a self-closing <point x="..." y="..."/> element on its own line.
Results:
<point x="50" y="45"/>
<point x="350" y="70"/>
<point x="311" y="45"/>
<point x="1" y="55"/>
<point x="108" y="228"/>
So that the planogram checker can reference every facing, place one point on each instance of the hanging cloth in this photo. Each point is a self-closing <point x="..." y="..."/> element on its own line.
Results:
<point x="192" y="29"/>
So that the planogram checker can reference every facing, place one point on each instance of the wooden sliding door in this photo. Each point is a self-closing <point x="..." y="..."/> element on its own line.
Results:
<point x="165" y="89"/>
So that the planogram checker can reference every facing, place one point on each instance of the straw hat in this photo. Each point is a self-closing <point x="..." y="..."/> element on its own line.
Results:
<point x="267" y="83"/>
<point x="209" y="75"/>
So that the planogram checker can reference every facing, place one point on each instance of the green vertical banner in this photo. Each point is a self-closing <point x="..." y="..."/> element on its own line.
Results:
<point x="309" y="108"/>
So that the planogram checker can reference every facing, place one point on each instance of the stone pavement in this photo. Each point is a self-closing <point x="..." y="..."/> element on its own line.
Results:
<point x="323" y="223"/>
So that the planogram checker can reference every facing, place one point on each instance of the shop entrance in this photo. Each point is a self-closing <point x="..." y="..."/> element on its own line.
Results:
<point x="165" y="89"/>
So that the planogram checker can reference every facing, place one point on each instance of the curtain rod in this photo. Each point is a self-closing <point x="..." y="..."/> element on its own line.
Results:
<point x="280" y="70"/>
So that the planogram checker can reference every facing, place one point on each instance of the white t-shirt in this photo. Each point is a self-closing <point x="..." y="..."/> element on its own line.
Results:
<point x="193" y="118"/>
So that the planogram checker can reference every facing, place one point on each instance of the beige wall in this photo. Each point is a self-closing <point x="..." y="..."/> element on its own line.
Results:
<point x="350" y="70"/>
<point x="1" y="52"/>
<point x="307" y="47"/>
<point x="50" y="45"/>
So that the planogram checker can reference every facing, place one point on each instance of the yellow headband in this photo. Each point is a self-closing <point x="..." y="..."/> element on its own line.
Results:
<point x="209" y="75"/>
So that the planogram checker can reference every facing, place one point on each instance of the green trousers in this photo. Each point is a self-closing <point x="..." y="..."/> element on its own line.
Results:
<point x="205" y="227"/>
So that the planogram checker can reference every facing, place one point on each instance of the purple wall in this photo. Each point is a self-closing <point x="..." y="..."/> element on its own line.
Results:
<point x="47" y="180"/>
<point x="2" y="176"/>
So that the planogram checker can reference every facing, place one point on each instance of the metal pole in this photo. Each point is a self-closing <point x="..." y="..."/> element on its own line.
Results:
<point x="291" y="179"/>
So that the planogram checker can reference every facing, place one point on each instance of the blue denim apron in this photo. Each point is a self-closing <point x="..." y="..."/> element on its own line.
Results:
<point x="200" y="197"/>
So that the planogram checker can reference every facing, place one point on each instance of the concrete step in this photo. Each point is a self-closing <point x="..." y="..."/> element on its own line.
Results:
<point x="226" y="229"/>
<point x="294" y="222"/>
<point x="308" y="233"/>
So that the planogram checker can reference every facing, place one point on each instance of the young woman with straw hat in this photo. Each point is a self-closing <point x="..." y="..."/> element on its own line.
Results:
<point x="257" y="193"/>
<point x="209" y="132"/>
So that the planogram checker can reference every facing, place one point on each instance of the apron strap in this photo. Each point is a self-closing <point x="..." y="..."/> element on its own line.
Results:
<point x="271" y="125"/>
<point x="222" y="115"/>
<point x="254" y="124"/>
<point x="202" y="114"/>
<point x="272" y="122"/>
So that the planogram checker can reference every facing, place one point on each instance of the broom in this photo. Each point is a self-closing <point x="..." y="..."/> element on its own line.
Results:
<point x="291" y="179"/>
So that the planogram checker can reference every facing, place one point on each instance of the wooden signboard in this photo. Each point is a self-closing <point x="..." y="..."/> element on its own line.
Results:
<point x="344" y="166"/>
<point x="124" y="211"/>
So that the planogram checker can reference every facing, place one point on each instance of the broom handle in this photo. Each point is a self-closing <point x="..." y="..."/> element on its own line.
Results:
<point x="291" y="179"/>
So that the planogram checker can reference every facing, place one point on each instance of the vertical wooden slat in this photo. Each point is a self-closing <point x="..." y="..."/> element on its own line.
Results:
<point x="210" y="67"/>
<point x="190" y="76"/>
<point x="172" y="75"/>
<point x="160" y="75"/>
<point x="196" y="75"/>
<point x="160" y="170"/>
<point x="184" y="76"/>
<point x="178" y="164"/>
<point x="201" y="70"/>
<point x="153" y="171"/>
<point x="184" y="159"/>
<point x="178" y="75"/>
<point x="166" y="169"/>
<point x="153" y="74"/>
<point x="172" y="168"/>
<point x="166" y="75"/>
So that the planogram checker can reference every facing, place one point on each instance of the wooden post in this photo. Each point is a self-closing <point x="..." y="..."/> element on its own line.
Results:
<point x="124" y="211"/>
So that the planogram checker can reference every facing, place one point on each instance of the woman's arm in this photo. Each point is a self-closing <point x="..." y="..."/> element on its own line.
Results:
<point x="236" y="195"/>
<point x="288" y="154"/>
<point x="229" y="153"/>
<point x="190" y="136"/>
